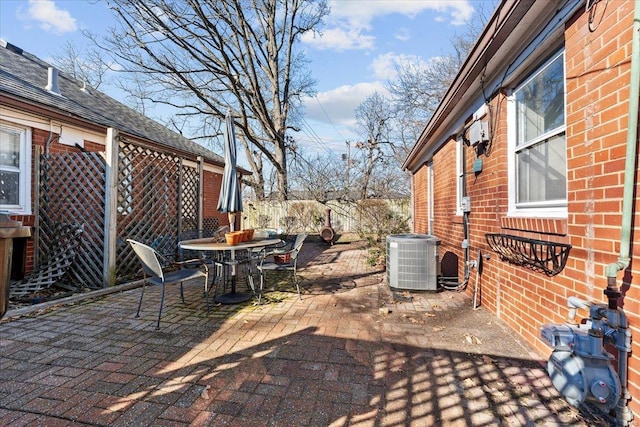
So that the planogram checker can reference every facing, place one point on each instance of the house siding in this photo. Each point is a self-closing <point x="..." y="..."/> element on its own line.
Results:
<point x="597" y="74"/>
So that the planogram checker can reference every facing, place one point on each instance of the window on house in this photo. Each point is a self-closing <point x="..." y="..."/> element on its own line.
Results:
<point x="460" y="179"/>
<point x="430" y="196"/>
<point x="539" y="170"/>
<point x="15" y="174"/>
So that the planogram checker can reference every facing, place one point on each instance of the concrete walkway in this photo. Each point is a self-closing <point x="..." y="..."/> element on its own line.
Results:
<point x="349" y="354"/>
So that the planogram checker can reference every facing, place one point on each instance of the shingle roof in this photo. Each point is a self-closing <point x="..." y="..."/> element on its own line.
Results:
<point x="24" y="76"/>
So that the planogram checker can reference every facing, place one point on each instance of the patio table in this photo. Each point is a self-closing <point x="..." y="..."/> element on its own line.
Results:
<point x="211" y="244"/>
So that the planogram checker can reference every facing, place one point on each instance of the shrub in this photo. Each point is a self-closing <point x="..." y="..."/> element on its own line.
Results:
<point x="303" y="216"/>
<point x="376" y="221"/>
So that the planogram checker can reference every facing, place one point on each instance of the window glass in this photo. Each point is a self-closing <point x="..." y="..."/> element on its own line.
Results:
<point x="9" y="148"/>
<point x="541" y="171"/>
<point x="541" y="103"/>
<point x="540" y="146"/>
<point x="15" y="178"/>
<point x="9" y="167"/>
<point x="9" y="188"/>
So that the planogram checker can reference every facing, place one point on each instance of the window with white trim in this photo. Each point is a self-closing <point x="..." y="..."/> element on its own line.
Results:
<point x="430" y="196"/>
<point x="537" y="143"/>
<point x="15" y="169"/>
<point x="460" y="178"/>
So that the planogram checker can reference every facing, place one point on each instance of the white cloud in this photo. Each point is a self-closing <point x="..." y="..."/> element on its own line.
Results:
<point x="403" y="34"/>
<point x="330" y="117"/>
<point x="337" y="106"/>
<point x="385" y="67"/>
<point x="50" y="18"/>
<point x="366" y="10"/>
<point x="340" y="39"/>
<point x="350" y="21"/>
<point x="461" y="14"/>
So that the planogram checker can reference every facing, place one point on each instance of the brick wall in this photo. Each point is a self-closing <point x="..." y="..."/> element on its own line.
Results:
<point x="597" y="59"/>
<point x="212" y="185"/>
<point x="420" y="207"/>
<point x="598" y="70"/>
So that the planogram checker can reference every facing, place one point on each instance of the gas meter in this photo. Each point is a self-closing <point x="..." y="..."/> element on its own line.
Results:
<point x="579" y="367"/>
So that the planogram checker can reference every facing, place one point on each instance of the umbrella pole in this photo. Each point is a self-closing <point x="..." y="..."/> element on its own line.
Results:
<point x="232" y="221"/>
<point x="232" y="227"/>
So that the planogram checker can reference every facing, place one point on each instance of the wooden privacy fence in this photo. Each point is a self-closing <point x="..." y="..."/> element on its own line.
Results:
<point x="294" y="216"/>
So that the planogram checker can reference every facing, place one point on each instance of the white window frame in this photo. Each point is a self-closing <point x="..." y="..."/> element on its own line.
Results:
<point x="551" y="209"/>
<point x="430" y="196"/>
<point x="24" y="201"/>
<point x="460" y="178"/>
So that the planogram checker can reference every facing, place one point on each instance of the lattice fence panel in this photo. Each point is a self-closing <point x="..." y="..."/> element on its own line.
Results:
<point x="190" y="184"/>
<point x="72" y="191"/>
<point x="148" y="203"/>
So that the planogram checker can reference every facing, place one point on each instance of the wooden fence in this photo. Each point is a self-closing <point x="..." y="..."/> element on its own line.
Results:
<point x="295" y="216"/>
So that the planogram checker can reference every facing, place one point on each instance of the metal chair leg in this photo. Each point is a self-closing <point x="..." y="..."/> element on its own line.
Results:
<point x="144" y="284"/>
<point x="262" y="278"/>
<point x="249" y="274"/>
<point x="295" y="280"/>
<point x="206" y="290"/>
<point x="161" y="304"/>
<point x="219" y="277"/>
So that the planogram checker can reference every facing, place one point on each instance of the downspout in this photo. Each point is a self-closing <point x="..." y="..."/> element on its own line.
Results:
<point x="613" y="292"/>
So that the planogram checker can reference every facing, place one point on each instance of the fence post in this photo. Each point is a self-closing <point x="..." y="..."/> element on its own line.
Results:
<point x="200" y="192"/>
<point x="111" y="207"/>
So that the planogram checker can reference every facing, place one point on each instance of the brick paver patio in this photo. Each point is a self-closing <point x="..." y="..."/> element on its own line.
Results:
<point x="333" y="359"/>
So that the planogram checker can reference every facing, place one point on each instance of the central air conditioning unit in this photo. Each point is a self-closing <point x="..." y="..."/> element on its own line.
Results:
<point x="413" y="262"/>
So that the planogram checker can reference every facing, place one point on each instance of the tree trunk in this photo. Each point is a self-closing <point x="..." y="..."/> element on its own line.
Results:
<point x="281" y="172"/>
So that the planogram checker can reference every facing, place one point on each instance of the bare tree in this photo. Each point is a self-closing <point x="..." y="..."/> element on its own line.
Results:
<point x="419" y="87"/>
<point x="86" y="65"/>
<point x="317" y="177"/>
<point x="389" y="181"/>
<point x="373" y="118"/>
<point x="392" y="126"/>
<point x="206" y="57"/>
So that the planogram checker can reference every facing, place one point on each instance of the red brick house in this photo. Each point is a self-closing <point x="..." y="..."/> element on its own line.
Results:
<point x="527" y="153"/>
<point x="71" y="154"/>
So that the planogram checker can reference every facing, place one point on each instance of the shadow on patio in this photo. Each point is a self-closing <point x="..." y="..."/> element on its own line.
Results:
<point x="330" y="359"/>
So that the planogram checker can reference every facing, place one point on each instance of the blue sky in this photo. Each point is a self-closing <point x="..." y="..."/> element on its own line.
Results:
<point x="361" y="44"/>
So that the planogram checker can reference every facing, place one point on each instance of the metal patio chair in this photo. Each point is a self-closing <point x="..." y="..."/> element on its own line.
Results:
<point x="175" y="272"/>
<point x="290" y="264"/>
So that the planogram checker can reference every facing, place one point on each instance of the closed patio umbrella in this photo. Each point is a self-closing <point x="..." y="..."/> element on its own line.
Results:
<point x="230" y="201"/>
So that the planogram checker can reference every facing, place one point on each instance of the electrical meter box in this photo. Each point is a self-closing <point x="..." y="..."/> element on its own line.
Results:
<point x="465" y="204"/>
<point x="478" y="132"/>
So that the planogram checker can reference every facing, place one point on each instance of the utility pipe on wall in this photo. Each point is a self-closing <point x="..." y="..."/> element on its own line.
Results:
<point x="612" y="291"/>
<point x="630" y="162"/>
